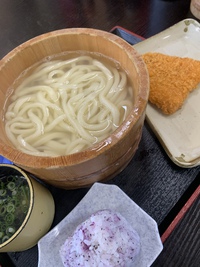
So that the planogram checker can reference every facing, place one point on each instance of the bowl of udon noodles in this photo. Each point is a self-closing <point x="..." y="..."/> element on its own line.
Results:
<point x="72" y="106"/>
<point x="26" y="209"/>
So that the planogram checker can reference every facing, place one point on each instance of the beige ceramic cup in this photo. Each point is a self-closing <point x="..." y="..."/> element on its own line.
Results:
<point x="38" y="219"/>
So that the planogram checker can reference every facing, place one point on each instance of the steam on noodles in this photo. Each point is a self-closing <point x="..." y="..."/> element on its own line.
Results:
<point x="65" y="106"/>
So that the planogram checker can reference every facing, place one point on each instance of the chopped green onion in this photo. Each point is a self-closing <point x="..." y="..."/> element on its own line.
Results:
<point x="10" y="230"/>
<point x="24" y="209"/>
<point x="9" y="218"/>
<point x="11" y="186"/>
<point x="14" y="192"/>
<point x="16" y="202"/>
<point x="24" y="202"/>
<point x="5" y="238"/>
<point x="2" y="185"/>
<point x="2" y="210"/>
<point x="11" y="178"/>
<point x="10" y="207"/>
<point x="2" y="192"/>
<point x="3" y="227"/>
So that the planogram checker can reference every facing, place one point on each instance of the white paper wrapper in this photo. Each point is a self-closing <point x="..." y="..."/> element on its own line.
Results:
<point x="103" y="196"/>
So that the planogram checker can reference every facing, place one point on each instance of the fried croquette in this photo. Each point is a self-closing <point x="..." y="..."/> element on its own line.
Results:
<point x="172" y="78"/>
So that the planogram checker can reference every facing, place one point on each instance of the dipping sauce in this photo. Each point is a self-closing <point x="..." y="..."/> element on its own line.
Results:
<point x="14" y="203"/>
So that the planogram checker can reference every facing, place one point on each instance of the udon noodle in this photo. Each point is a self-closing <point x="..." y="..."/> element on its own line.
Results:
<point x="66" y="106"/>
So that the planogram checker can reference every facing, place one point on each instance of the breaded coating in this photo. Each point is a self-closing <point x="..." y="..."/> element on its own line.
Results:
<point x="171" y="80"/>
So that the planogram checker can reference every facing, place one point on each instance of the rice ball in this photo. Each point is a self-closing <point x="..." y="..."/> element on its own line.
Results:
<point x="105" y="239"/>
